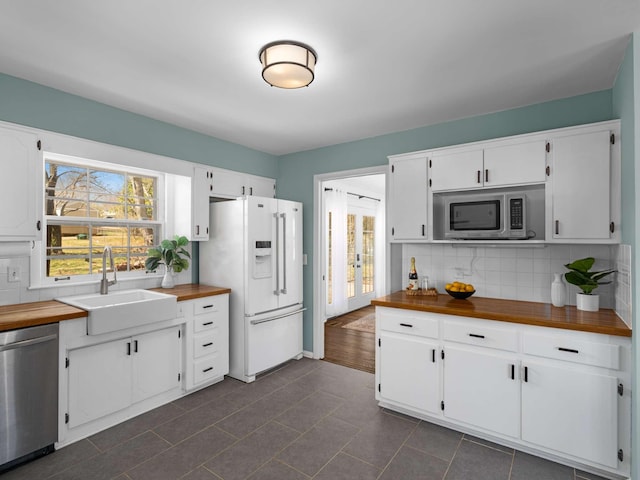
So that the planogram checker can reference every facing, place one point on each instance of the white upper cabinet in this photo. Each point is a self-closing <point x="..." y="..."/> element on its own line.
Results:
<point x="230" y="184"/>
<point x="499" y="164"/>
<point x="202" y="190"/>
<point x="408" y="198"/>
<point x="456" y="170"/>
<point x="580" y="177"/>
<point x="515" y="164"/>
<point x="21" y="196"/>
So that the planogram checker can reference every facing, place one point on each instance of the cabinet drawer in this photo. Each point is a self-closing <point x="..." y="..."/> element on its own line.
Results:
<point x="562" y="347"/>
<point x="208" y="323"/>
<point x="473" y="333"/>
<point x="207" y="343"/>
<point x="408" y="322"/>
<point x="208" y="368"/>
<point x="216" y="303"/>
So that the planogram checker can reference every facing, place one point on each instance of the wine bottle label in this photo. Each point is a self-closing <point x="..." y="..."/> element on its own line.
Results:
<point x="413" y="284"/>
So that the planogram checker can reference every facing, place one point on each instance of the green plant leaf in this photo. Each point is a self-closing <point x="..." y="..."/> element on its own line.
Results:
<point x="582" y="265"/>
<point x="167" y="245"/>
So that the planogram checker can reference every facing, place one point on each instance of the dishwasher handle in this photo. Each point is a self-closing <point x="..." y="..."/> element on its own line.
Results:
<point x="27" y="343"/>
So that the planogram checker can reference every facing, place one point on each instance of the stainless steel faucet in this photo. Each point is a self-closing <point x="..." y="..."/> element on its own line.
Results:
<point x="104" y="283"/>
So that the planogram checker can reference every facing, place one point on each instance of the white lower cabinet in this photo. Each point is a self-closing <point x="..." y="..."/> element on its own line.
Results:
<point x="571" y="411"/>
<point x="110" y="376"/>
<point x="409" y="371"/>
<point x="481" y="389"/>
<point x="207" y="340"/>
<point x="560" y="394"/>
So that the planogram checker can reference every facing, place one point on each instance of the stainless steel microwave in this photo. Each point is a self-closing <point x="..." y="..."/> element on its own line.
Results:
<point x="486" y="216"/>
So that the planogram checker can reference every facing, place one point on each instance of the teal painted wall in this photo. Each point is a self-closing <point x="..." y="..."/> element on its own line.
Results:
<point x="626" y="105"/>
<point x="34" y="105"/>
<point x="296" y="171"/>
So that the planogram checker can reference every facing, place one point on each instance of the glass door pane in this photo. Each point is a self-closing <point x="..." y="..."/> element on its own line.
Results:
<point x="368" y="249"/>
<point x="351" y="255"/>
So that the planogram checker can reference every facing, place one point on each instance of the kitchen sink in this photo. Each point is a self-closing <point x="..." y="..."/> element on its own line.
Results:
<point x="123" y="309"/>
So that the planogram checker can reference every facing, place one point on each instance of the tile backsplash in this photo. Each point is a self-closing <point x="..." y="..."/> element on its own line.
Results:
<point x="623" y="292"/>
<point x="16" y="289"/>
<point x="515" y="272"/>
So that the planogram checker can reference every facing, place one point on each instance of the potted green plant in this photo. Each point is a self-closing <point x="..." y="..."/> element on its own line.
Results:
<point x="172" y="254"/>
<point x="586" y="281"/>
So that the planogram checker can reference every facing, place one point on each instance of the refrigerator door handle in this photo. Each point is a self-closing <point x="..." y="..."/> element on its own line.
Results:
<point x="284" y="253"/>
<point x="270" y="319"/>
<point x="277" y="290"/>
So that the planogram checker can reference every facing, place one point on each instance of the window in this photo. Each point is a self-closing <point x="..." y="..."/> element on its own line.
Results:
<point x="90" y="205"/>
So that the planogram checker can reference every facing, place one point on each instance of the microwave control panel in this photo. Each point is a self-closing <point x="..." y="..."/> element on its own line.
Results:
<point x="516" y="209"/>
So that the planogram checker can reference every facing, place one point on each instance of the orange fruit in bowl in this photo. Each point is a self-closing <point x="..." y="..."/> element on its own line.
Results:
<point x="448" y="286"/>
<point x="469" y="288"/>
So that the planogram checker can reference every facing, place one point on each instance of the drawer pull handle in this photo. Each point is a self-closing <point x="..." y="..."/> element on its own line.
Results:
<point x="207" y="323"/>
<point x="207" y="344"/>
<point x="207" y="306"/>
<point x="433" y="355"/>
<point x="406" y="325"/>
<point x="570" y="350"/>
<point x="526" y="374"/>
<point x="513" y="371"/>
<point x="207" y="370"/>
<point x="475" y="335"/>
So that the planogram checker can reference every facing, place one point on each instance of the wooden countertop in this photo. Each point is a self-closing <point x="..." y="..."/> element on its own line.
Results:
<point x="23" y="315"/>
<point x="531" y="313"/>
<point x="191" y="291"/>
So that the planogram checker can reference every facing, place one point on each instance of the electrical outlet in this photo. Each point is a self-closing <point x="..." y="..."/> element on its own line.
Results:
<point x="13" y="274"/>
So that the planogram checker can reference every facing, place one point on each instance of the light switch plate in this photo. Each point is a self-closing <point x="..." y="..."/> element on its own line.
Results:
<point x="13" y="274"/>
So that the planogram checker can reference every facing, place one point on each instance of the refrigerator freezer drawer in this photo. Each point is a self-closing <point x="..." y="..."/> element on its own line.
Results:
<point x="272" y="341"/>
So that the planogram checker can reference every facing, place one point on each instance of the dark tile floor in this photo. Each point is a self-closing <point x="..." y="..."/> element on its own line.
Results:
<point x="308" y="419"/>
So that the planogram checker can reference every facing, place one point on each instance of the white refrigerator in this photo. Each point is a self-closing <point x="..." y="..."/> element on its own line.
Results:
<point x="255" y="248"/>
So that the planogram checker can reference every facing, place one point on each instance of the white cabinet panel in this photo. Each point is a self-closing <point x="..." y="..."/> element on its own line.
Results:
<point x="409" y="371"/>
<point x="482" y="389"/>
<point x="408" y="199"/>
<point x="156" y="362"/>
<point x="580" y="176"/>
<point x="202" y="189"/>
<point x="99" y="381"/>
<point x="515" y="164"/>
<point x="571" y="411"/>
<point x="456" y="170"/>
<point x="20" y="196"/>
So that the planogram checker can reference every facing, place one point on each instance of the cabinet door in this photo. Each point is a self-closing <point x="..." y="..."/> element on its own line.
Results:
<point x="261" y="186"/>
<point x="409" y="371"/>
<point x="481" y="389"/>
<point x="516" y="164"/>
<point x="229" y="185"/>
<point x="408" y="199"/>
<point x="20" y="196"/>
<point x="571" y="411"/>
<point x="99" y="381"/>
<point x="580" y="177"/>
<point x="156" y="362"/>
<point x="202" y="189"/>
<point x="456" y="171"/>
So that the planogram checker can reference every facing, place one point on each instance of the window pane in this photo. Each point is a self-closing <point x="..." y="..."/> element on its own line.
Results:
<point x="368" y="248"/>
<point x="351" y="255"/>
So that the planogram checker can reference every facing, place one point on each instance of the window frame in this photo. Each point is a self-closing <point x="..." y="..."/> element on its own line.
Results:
<point x="39" y="252"/>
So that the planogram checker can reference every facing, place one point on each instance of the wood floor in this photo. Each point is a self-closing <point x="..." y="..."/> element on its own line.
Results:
<point x="351" y="348"/>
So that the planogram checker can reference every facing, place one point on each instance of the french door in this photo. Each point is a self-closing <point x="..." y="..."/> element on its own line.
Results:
<point x="361" y="225"/>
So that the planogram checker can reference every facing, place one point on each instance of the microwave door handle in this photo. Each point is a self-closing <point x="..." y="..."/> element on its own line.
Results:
<point x="277" y="291"/>
<point x="284" y="253"/>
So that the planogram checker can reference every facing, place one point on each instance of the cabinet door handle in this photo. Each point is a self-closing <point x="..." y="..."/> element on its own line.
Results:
<point x="207" y="370"/>
<point x="526" y="374"/>
<point x="128" y="348"/>
<point x="207" y="323"/>
<point x="243" y="189"/>
<point x="433" y="355"/>
<point x="570" y="350"/>
<point x="197" y="229"/>
<point x="513" y="371"/>
<point x="478" y="176"/>
<point x="475" y="335"/>
<point x="406" y="325"/>
<point x="250" y="190"/>
<point x="135" y="346"/>
<point x="486" y="175"/>
<point x="207" y="344"/>
<point x="423" y="229"/>
<point x="557" y="227"/>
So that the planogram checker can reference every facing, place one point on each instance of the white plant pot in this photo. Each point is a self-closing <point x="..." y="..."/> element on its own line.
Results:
<point x="587" y="303"/>
<point x="167" y="279"/>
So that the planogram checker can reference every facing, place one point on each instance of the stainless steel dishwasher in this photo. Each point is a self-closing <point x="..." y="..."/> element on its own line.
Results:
<point x="28" y="393"/>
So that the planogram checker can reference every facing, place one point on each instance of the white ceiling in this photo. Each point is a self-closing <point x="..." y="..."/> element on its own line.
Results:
<point x="383" y="66"/>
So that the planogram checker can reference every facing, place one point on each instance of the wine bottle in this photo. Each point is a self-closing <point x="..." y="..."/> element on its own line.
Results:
<point x="413" y="275"/>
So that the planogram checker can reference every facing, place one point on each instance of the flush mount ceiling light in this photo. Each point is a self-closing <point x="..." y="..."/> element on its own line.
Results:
<point x="288" y="64"/>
